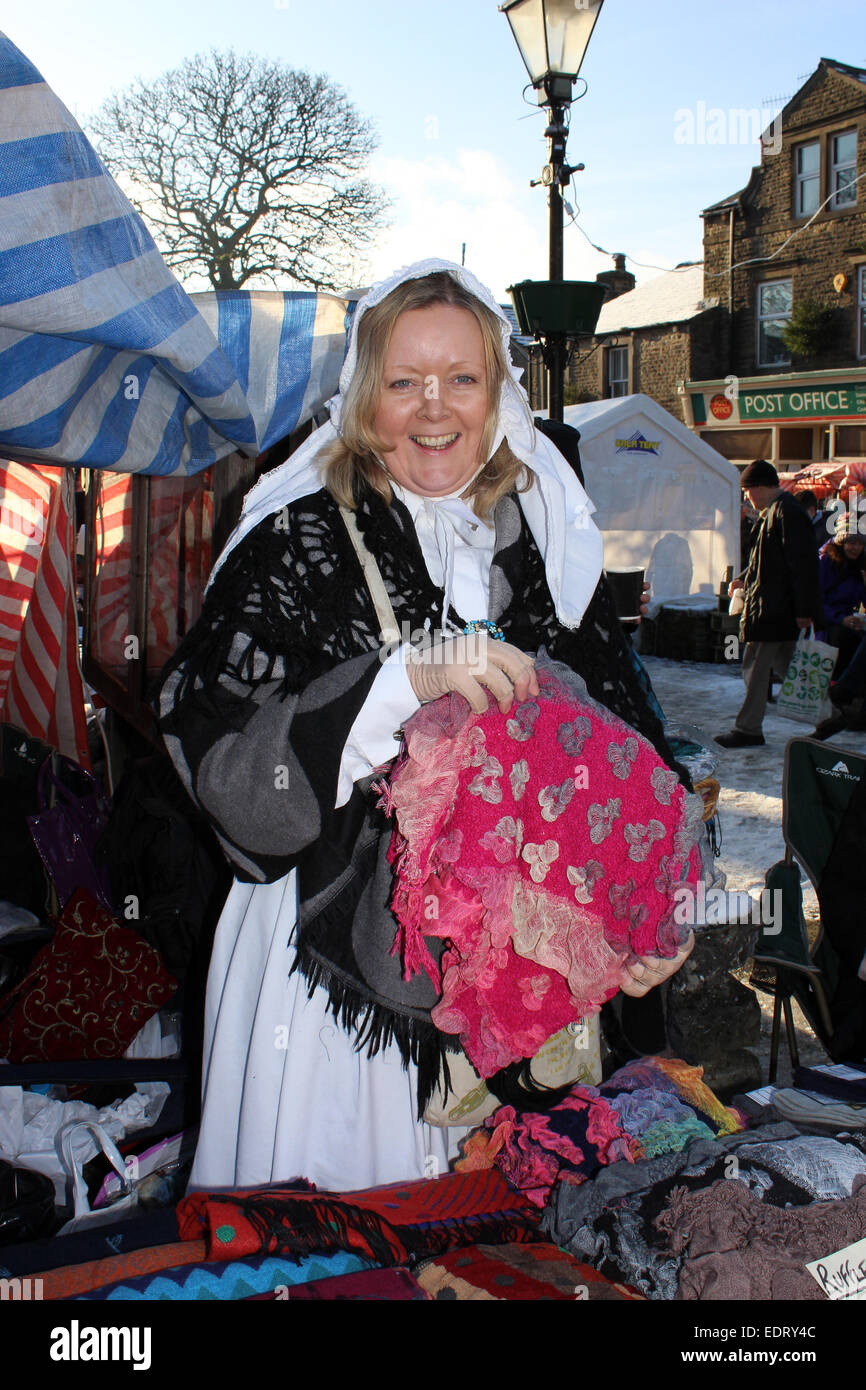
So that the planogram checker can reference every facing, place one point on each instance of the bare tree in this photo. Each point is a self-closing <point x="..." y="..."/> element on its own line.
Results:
<point x="246" y="171"/>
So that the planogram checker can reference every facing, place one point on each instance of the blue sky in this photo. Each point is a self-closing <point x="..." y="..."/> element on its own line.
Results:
<point x="458" y="145"/>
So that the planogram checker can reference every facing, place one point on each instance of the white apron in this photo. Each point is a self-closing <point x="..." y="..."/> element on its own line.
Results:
<point x="284" y="1093"/>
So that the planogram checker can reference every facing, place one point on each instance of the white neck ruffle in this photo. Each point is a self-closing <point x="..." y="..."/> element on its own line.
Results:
<point x="441" y="525"/>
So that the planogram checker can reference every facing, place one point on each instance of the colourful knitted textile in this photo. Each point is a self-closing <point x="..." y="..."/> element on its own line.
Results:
<point x="543" y="845"/>
<point x="392" y="1225"/>
<point x="228" y="1280"/>
<point x="692" y="1089"/>
<point x="572" y="1140"/>
<point x="649" y="1107"/>
<point x="72" y="1281"/>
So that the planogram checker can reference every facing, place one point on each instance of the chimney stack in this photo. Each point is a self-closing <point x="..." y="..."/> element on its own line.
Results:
<point x="617" y="281"/>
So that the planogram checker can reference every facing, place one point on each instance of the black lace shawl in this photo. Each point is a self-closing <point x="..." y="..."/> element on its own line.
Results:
<point x="256" y="706"/>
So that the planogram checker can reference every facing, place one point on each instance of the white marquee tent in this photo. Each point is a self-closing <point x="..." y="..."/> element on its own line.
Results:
<point x="665" y="500"/>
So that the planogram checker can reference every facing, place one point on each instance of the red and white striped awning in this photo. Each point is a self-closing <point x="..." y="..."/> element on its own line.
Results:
<point x="825" y="479"/>
<point x="41" y="690"/>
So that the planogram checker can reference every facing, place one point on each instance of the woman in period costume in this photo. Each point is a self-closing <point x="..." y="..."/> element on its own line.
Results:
<point x="288" y="697"/>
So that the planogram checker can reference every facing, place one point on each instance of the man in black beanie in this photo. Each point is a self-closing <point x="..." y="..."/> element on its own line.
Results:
<point x="781" y="591"/>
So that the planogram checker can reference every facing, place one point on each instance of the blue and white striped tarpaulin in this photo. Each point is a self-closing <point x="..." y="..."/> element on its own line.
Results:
<point x="105" y="361"/>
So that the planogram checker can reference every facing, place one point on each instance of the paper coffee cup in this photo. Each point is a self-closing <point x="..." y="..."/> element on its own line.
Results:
<point x="626" y="590"/>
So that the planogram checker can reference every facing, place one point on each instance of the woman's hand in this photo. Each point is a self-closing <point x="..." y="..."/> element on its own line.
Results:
<point x="643" y="973"/>
<point x="467" y="664"/>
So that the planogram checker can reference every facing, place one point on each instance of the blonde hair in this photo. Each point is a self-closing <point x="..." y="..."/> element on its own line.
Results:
<point x="353" y="458"/>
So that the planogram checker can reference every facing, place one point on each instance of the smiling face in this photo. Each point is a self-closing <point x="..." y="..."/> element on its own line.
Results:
<point x="432" y="406"/>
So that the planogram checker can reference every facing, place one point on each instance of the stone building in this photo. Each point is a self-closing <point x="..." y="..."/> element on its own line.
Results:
<point x="648" y="341"/>
<point x="786" y="252"/>
<point x="790" y="250"/>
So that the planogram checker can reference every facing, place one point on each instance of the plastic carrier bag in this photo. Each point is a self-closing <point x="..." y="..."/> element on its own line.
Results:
<point x="803" y="695"/>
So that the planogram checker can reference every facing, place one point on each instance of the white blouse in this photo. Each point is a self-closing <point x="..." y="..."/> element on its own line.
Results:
<point x="468" y="544"/>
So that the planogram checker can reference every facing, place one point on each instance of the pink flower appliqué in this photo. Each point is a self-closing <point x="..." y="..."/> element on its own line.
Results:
<point x="477" y="750"/>
<point x="521" y="725"/>
<point x="451" y="845"/>
<point x="533" y="989"/>
<point x="506" y="841"/>
<point x="540" y="858"/>
<point x="519" y="776"/>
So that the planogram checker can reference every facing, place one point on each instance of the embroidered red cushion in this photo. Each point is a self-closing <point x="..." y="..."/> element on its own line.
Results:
<point x="87" y="993"/>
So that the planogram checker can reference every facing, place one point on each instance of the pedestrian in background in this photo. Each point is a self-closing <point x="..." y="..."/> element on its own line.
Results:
<point x="781" y="595"/>
<point x="842" y="574"/>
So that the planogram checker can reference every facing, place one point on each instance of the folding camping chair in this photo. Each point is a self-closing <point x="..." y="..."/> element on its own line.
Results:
<point x="818" y="784"/>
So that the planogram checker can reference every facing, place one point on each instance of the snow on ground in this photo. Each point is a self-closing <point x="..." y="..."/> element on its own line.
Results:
<point x="750" y="803"/>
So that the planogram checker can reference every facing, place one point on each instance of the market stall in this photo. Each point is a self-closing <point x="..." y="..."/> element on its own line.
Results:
<point x="664" y="499"/>
<point x="584" y="1200"/>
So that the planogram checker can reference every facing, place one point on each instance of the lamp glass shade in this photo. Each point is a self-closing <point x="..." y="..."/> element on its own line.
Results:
<point x="569" y="30"/>
<point x="552" y="35"/>
<point x="526" y="18"/>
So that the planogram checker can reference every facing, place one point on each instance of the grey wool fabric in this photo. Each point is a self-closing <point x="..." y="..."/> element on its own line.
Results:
<point x="616" y="1220"/>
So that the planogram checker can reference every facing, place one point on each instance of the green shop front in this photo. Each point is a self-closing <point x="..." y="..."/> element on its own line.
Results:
<point x="792" y="420"/>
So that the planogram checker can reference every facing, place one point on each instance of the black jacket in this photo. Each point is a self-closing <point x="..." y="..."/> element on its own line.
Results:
<point x="781" y="581"/>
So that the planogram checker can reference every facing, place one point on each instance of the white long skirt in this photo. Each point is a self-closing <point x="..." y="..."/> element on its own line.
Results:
<point x="284" y="1094"/>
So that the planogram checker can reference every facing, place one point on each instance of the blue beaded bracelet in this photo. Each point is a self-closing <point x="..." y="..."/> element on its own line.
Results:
<point x="484" y="624"/>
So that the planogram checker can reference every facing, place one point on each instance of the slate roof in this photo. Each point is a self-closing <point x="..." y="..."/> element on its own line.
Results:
<point x="673" y="297"/>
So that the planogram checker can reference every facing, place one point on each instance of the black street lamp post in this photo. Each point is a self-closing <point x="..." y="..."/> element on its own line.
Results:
<point x="555" y="347"/>
<point x="553" y="36"/>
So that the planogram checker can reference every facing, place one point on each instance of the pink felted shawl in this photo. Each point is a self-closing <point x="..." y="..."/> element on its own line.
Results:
<point x="544" y="846"/>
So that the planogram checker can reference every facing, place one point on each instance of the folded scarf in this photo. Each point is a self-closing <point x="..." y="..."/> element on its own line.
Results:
<point x="393" y="1225"/>
<point x="92" y="1244"/>
<point x="77" y="1280"/>
<point x="368" y="1286"/>
<point x="228" y="1280"/>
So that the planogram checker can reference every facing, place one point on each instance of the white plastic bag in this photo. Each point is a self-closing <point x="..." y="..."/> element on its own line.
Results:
<point x="70" y="1142"/>
<point x="803" y="695"/>
<point x="30" y="1126"/>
